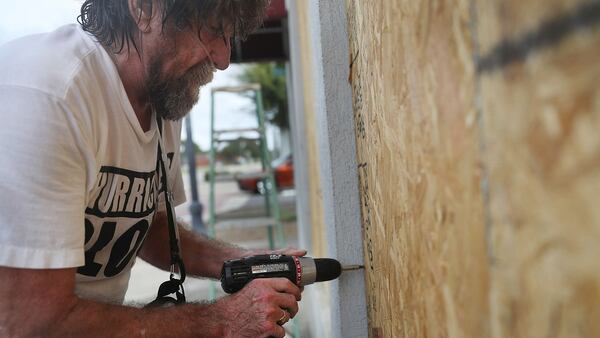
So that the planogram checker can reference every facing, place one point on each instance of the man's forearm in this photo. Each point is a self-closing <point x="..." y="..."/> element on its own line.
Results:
<point x="202" y="256"/>
<point x="91" y="319"/>
<point x="41" y="303"/>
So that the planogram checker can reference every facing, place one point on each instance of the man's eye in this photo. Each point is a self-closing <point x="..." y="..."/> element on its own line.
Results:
<point x="217" y="31"/>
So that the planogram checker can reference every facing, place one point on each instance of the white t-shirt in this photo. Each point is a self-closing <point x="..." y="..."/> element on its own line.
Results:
<point x="78" y="183"/>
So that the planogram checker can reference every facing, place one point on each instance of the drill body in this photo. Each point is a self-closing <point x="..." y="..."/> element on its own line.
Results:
<point x="236" y="273"/>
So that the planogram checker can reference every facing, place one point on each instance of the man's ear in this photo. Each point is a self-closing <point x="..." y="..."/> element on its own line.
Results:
<point x="141" y="12"/>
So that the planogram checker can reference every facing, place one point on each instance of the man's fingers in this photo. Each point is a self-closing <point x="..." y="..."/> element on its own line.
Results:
<point x="286" y="251"/>
<point x="280" y="302"/>
<point x="276" y="331"/>
<point x="287" y="296"/>
<point x="284" y="285"/>
<point x="292" y="252"/>
<point x="288" y="303"/>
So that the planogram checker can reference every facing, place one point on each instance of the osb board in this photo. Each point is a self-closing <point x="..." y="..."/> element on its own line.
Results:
<point x="417" y="139"/>
<point x="540" y="94"/>
<point x="319" y="246"/>
<point x="418" y="98"/>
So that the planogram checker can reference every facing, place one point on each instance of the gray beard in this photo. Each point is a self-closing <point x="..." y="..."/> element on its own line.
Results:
<point x="173" y="99"/>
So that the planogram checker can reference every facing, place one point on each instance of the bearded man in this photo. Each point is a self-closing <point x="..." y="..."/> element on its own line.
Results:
<point x="87" y="111"/>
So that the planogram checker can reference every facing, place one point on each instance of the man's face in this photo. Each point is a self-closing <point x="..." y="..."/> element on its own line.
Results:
<point x="182" y="62"/>
<point x="174" y="96"/>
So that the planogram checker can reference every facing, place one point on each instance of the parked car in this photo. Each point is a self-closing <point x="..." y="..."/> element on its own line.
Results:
<point x="283" y="171"/>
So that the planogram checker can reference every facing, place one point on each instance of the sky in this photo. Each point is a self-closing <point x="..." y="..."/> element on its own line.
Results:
<point x="19" y="18"/>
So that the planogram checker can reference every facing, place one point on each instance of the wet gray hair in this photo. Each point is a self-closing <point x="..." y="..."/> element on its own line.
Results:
<point x="110" y="21"/>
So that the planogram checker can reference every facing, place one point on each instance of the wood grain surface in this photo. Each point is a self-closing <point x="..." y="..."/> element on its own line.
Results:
<point x="477" y="126"/>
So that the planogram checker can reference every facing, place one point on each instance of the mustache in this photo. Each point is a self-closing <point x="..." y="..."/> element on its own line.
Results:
<point x="200" y="74"/>
<point x="173" y="98"/>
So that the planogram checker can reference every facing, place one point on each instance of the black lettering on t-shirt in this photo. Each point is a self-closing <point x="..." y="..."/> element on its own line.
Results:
<point x="170" y="157"/>
<point x="124" y="193"/>
<point x="122" y="251"/>
<point x="107" y="231"/>
<point x="136" y="196"/>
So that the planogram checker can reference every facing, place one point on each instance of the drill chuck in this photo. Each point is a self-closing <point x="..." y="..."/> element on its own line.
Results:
<point x="236" y="273"/>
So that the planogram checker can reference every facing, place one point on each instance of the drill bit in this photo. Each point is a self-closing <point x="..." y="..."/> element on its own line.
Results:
<point x="352" y="267"/>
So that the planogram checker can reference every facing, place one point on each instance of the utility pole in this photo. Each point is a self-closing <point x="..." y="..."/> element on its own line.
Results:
<point x="195" y="206"/>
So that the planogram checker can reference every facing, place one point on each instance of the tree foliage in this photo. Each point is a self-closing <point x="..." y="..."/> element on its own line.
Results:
<point x="239" y="148"/>
<point x="197" y="149"/>
<point x="271" y="77"/>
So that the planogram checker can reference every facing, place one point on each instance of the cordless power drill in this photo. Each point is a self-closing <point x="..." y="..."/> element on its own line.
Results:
<point x="236" y="273"/>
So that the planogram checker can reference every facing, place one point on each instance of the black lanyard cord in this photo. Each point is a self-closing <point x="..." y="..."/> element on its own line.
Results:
<point x="173" y="285"/>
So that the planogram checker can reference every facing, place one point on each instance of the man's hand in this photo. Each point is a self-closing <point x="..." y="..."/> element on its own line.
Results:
<point x="256" y="310"/>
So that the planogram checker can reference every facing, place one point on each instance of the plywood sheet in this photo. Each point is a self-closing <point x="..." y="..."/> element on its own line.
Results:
<point x="540" y="95"/>
<point x="413" y="84"/>
<point x="477" y="133"/>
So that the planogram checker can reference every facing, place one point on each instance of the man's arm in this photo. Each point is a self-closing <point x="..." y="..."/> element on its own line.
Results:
<point x="202" y="256"/>
<point x="43" y="303"/>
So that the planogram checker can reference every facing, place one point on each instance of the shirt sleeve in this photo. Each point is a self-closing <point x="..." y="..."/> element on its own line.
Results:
<point x="42" y="181"/>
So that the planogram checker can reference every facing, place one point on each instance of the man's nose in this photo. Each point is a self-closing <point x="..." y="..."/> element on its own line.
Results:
<point x="221" y="53"/>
